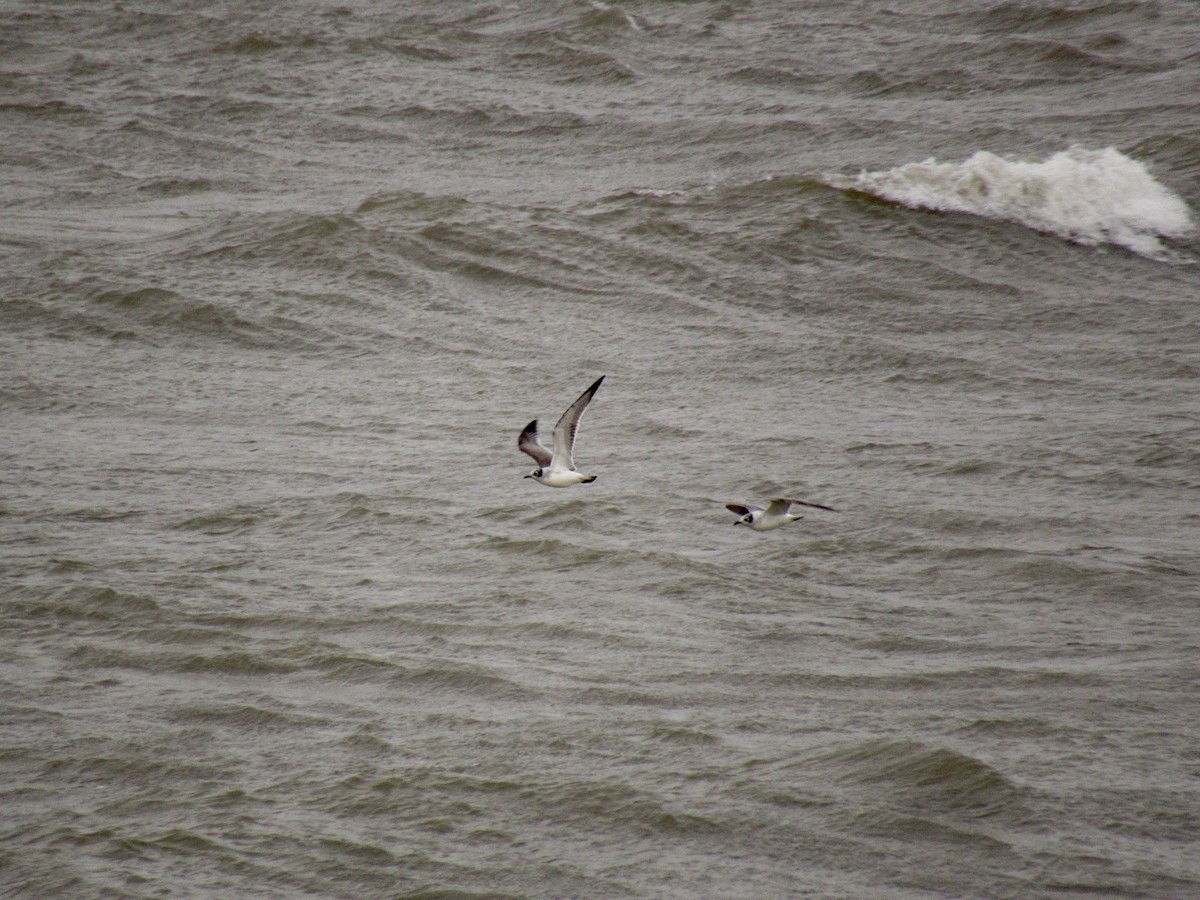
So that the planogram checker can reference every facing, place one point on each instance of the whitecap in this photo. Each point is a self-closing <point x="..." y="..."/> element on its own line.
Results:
<point x="1090" y="197"/>
<point x="658" y="194"/>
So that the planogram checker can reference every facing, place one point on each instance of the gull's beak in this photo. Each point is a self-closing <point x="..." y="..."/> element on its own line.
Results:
<point x="737" y="521"/>
<point x="528" y="476"/>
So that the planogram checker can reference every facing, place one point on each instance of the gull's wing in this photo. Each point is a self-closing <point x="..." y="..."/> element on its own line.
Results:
<point x="740" y="510"/>
<point x="528" y="443"/>
<point x="568" y="424"/>
<point x="781" y="504"/>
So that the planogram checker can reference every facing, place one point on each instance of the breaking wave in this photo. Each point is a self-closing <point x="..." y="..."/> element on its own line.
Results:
<point x="1089" y="197"/>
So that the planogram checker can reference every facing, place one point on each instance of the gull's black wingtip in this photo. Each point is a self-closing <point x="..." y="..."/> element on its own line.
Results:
<point x="808" y="503"/>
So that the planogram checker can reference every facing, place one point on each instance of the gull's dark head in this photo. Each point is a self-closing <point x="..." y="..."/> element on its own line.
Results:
<point x="536" y="473"/>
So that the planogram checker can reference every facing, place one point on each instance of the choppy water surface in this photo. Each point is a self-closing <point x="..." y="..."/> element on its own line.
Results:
<point x="281" y="285"/>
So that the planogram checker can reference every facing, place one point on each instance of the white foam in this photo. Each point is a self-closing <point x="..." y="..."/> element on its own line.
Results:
<point x="1087" y="196"/>
<point x="657" y="193"/>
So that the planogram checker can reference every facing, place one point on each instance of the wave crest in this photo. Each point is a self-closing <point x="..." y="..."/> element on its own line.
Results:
<point x="1089" y="197"/>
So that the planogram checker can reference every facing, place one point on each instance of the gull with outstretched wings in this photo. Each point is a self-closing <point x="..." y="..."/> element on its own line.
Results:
<point x="777" y="514"/>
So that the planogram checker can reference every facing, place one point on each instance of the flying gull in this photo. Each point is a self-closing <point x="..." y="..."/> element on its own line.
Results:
<point x="557" y="468"/>
<point x="777" y="514"/>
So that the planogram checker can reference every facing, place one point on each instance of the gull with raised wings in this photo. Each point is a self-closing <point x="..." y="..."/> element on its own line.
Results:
<point x="556" y="468"/>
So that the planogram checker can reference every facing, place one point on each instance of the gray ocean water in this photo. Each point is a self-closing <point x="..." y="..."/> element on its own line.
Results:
<point x="282" y="282"/>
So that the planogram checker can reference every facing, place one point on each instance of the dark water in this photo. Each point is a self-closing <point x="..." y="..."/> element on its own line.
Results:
<point x="281" y="285"/>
